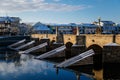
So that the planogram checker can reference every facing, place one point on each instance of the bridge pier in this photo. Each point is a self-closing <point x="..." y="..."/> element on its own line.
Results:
<point x="68" y="50"/>
<point x="111" y="59"/>
<point x="97" y="58"/>
<point x="97" y="61"/>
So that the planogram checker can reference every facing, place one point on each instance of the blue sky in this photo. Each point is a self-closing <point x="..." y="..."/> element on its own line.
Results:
<point x="61" y="11"/>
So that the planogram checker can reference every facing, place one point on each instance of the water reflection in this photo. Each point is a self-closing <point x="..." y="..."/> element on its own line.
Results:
<point x="25" y="67"/>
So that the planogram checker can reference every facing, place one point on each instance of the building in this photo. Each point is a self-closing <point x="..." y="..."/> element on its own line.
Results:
<point x="118" y="28"/>
<point x="107" y="27"/>
<point x="88" y="28"/>
<point x="106" y="23"/>
<point x="9" y="25"/>
<point x="23" y="29"/>
<point x="63" y="28"/>
<point x="41" y="28"/>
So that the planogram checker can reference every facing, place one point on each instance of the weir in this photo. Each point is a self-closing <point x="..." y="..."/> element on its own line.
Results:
<point x="34" y="48"/>
<point x="17" y="43"/>
<point x="52" y="52"/>
<point x="76" y="59"/>
<point x="25" y="45"/>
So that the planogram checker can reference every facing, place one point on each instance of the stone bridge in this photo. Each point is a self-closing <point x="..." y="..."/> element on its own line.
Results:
<point x="91" y="41"/>
<point x="83" y="39"/>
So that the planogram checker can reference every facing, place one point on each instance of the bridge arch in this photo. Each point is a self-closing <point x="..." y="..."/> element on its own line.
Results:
<point x="68" y="44"/>
<point x="97" y="58"/>
<point x="97" y="49"/>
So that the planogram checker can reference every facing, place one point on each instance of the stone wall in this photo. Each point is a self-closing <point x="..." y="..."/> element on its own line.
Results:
<point x="66" y="37"/>
<point x="98" y="39"/>
<point x="69" y="38"/>
<point x="88" y="39"/>
<point x="52" y="37"/>
<point x="40" y="36"/>
<point x="111" y="54"/>
<point x="77" y="49"/>
<point x="81" y="40"/>
<point x="60" y="38"/>
<point x="118" y="39"/>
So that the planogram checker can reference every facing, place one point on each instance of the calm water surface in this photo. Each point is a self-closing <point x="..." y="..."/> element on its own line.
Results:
<point x="25" y="67"/>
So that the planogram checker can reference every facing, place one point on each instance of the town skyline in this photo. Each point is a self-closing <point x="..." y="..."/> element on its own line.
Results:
<point x="62" y="11"/>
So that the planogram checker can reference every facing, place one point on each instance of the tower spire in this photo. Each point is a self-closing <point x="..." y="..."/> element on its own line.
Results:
<point x="98" y="29"/>
<point x="99" y="20"/>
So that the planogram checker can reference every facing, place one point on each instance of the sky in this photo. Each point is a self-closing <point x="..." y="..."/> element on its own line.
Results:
<point x="61" y="11"/>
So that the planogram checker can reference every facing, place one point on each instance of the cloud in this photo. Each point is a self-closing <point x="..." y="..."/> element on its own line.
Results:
<point x="36" y="5"/>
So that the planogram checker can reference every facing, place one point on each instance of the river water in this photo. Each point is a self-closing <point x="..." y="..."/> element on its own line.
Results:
<point x="25" y="67"/>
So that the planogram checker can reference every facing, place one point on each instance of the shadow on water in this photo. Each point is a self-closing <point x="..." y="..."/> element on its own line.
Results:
<point x="112" y="71"/>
